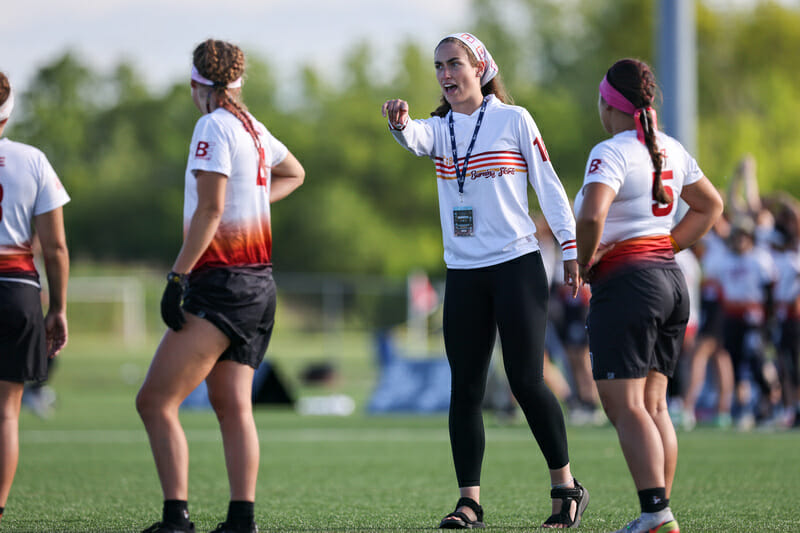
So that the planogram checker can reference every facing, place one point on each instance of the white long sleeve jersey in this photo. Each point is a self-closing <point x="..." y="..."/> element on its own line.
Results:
<point x="508" y="153"/>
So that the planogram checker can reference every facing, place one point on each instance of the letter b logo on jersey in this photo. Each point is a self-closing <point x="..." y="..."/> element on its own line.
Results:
<point x="594" y="166"/>
<point x="203" y="150"/>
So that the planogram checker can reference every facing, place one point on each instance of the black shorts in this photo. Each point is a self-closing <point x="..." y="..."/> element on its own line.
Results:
<point x="744" y="341"/>
<point x="572" y="329"/>
<point x="789" y="336"/>
<point x="711" y="319"/>
<point x="789" y="349"/>
<point x="241" y="304"/>
<point x="636" y="323"/>
<point x="23" y="348"/>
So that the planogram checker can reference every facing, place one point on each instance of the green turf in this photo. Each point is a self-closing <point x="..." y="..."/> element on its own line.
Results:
<point x="89" y="467"/>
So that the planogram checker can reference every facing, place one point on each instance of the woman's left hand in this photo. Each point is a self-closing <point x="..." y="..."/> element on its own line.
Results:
<point x="585" y="271"/>
<point x="572" y="276"/>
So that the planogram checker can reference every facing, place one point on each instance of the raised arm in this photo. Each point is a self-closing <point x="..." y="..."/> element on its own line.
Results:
<point x="416" y="136"/>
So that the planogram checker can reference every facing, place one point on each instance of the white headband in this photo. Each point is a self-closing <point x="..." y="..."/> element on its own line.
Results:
<point x="196" y="76"/>
<point x="8" y="105"/>
<point x="481" y="54"/>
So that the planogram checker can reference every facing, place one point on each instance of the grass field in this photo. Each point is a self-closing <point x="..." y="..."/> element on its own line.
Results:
<point x="89" y="467"/>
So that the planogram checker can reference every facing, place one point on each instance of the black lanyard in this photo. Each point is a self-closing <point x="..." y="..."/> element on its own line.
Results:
<point x="461" y="175"/>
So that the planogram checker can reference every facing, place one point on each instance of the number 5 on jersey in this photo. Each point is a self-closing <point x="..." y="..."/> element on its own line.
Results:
<point x="662" y="210"/>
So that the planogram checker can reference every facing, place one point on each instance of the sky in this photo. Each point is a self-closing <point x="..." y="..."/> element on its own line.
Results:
<point x="158" y="36"/>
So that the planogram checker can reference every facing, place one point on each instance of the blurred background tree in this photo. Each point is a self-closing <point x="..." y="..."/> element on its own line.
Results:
<point x="367" y="205"/>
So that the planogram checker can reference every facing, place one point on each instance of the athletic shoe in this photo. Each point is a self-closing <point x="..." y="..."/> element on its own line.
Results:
<point x="636" y="526"/>
<point x="581" y="416"/>
<point x="746" y="422"/>
<point x="227" y="527"/>
<point x="722" y="421"/>
<point x="169" y="527"/>
<point x="40" y="400"/>
<point x="688" y="420"/>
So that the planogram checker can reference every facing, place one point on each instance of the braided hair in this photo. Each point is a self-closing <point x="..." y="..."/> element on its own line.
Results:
<point x="222" y="62"/>
<point x="5" y="88"/>
<point x="636" y="82"/>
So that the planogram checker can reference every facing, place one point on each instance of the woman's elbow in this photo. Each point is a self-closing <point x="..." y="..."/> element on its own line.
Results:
<point x="717" y="205"/>
<point x="588" y="220"/>
<point x="301" y="177"/>
<point x="55" y="251"/>
<point x="210" y="211"/>
<point x="712" y="206"/>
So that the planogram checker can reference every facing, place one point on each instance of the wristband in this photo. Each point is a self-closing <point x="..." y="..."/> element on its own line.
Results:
<point x="675" y="247"/>
<point x="398" y="127"/>
<point x="177" y="278"/>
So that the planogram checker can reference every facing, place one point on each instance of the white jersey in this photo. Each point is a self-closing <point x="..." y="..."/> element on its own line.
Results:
<point x="716" y="252"/>
<point x="692" y="273"/>
<point x="623" y="163"/>
<point x="508" y="153"/>
<point x="222" y="144"/>
<point x="787" y="268"/>
<point x="743" y="279"/>
<point x="28" y="187"/>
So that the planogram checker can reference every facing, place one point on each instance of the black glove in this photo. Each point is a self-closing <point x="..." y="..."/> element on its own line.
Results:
<point x="171" y="311"/>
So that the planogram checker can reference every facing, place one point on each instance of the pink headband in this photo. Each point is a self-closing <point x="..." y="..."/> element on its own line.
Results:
<point x="196" y="76"/>
<point x="615" y="99"/>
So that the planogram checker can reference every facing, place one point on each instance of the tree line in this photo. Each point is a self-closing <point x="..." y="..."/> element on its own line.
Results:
<point x="367" y="205"/>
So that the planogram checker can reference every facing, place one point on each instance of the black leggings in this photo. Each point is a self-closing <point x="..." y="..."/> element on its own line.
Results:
<point x="510" y="297"/>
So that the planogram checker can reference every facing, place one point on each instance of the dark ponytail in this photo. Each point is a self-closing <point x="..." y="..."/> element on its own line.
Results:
<point x="636" y="82"/>
<point x="495" y="86"/>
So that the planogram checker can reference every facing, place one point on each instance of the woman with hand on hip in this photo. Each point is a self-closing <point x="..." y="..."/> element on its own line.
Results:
<point x="640" y="303"/>
<point x="30" y="195"/>
<point x="486" y="152"/>
<point x="219" y="302"/>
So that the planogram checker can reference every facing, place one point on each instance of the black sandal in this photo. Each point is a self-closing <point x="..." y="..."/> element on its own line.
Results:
<point x="577" y="494"/>
<point x="459" y="520"/>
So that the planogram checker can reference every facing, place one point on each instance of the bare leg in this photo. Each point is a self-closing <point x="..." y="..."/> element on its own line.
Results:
<point x="10" y="402"/>
<point x="182" y="361"/>
<point x="639" y="436"/>
<point x="724" y="367"/>
<point x="704" y="348"/>
<point x="578" y="357"/>
<point x="472" y="493"/>
<point x="230" y="391"/>
<point x="561" y="477"/>
<point x="655" y="398"/>
<point x="555" y="379"/>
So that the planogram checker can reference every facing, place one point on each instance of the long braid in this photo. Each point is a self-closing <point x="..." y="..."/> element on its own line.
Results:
<point x="659" y="192"/>
<point x="238" y="110"/>
<point x="222" y="63"/>
<point x="636" y="82"/>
